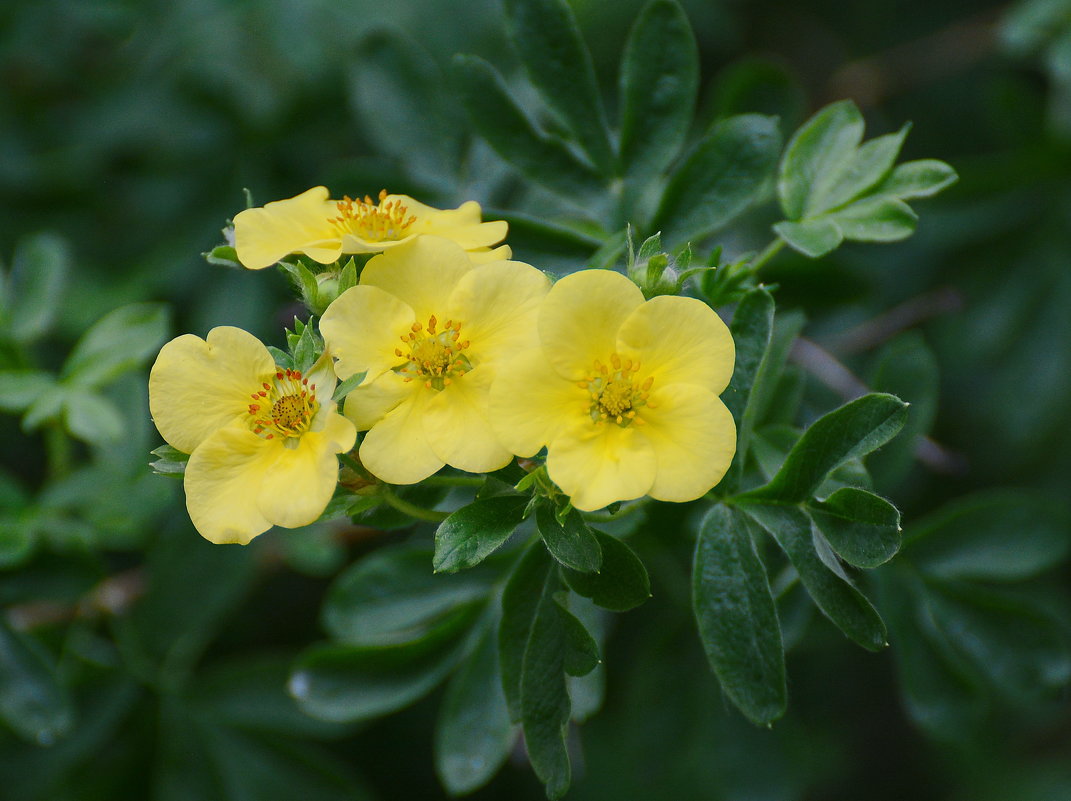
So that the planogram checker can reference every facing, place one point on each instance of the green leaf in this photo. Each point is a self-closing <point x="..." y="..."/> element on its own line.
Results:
<point x="816" y="157"/>
<point x="222" y="256"/>
<point x="171" y="462"/>
<point x="752" y="328"/>
<point x="343" y="683"/>
<point x="917" y="179"/>
<point x="304" y="281"/>
<point x="120" y="341"/>
<point x="46" y="408"/>
<point x="532" y="644"/>
<point x="581" y="654"/>
<point x="725" y="175"/>
<point x="20" y="388"/>
<point x="853" y="430"/>
<point x="347" y="277"/>
<point x="17" y="541"/>
<point x="32" y="701"/>
<point x="347" y="386"/>
<point x="570" y="541"/>
<point x="92" y="418"/>
<point x="558" y="63"/>
<point x="392" y="597"/>
<point x="38" y="276"/>
<point x="474" y="532"/>
<point x="869" y="165"/>
<point x="1007" y="535"/>
<point x="863" y="528"/>
<point x="813" y="238"/>
<point x="826" y="583"/>
<point x="738" y="623"/>
<point x="876" y="219"/>
<point x="621" y="583"/>
<point x="474" y="734"/>
<point x="659" y="79"/>
<point x="498" y="119"/>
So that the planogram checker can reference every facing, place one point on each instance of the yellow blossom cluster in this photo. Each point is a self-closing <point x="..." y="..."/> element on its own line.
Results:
<point x="469" y="359"/>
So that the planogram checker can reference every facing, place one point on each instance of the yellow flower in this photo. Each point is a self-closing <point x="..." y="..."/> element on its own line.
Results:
<point x="262" y="439"/>
<point x="430" y="328"/>
<point x="622" y="392"/>
<point x="324" y="229"/>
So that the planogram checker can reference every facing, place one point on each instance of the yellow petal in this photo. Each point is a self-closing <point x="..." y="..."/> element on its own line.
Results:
<point x="422" y="273"/>
<point x="198" y="386"/>
<point x="396" y="450"/>
<point x="223" y="480"/>
<point x="599" y="464"/>
<point x="530" y="402"/>
<point x="301" y="480"/>
<point x="486" y="255"/>
<point x="461" y="225"/>
<point x="679" y="340"/>
<point x="457" y="426"/>
<point x="580" y="317"/>
<point x="499" y="304"/>
<point x="300" y="224"/>
<point x="694" y="439"/>
<point x="362" y="328"/>
<point x="370" y="403"/>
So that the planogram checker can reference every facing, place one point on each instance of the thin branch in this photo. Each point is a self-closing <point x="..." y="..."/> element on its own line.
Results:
<point x="863" y="337"/>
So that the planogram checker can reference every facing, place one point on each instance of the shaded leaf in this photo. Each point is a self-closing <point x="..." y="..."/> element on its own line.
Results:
<point x="863" y="528"/>
<point x="621" y="583"/>
<point x="33" y="703"/>
<point x="122" y="340"/>
<point x="475" y="531"/>
<point x="570" y="541"/>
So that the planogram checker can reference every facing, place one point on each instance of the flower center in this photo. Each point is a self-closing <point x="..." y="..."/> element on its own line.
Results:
<point x="373" y="222"/>
<point x="434" y="357"/>
<point x="285" y="406"/>
<point x="615" y="393"/>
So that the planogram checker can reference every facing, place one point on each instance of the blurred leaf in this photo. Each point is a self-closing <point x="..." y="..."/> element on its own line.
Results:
<point x="392" y="597"/>
<point x="875" y="219"/>
<point x="498" y="119"/>
<point x="475" y="531"/>
<point x="35" y="290"/>
<point x="621" y="583"/>
<point x="659" y="76"/>
<point x="474" y="734"/>
<point x="19" y="389"/>
<point x="738" y="623"/>
<point x="813" y="238"/>
<point x="122" y="340"/>
<point x="853" y="430"/>
<point x="826" y="583"/>
<point x="1007" y="535"/>
<point x="725" y="175"/>
<point x="92" y="418"/>
<point x="17" y="542"/>
<point x="816" y="158"/>
<point x="46" y="408"/>
<point x="558" y="63"/>
<point x="570" y="541"/>
<point x="863" y="528"/>
<point x="32" y="701"/>
<point x="917" y="179"/>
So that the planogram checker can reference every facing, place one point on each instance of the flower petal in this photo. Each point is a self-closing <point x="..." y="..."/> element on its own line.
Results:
<point x="198" y="386"/>
<point x="498" y="305"/>
<point x="461" y="225"/>
<point x="370" y="403"/>
<point x="485" y="255"/>
<point x="530" y="402"/>
<point x="599" y="464"/>
<point x="422" y="273"/>
<point x="396" y="450"/>
<point x="457" y="425"/>
<point x="679" y="340"/>
<point x="301" y="480"/>
<point x="300" y="224"/>
<point x="223" y="480"/>
<point x="580" y="317"/>
<point x="694" y="440"/>
<point x="361" y="329"/>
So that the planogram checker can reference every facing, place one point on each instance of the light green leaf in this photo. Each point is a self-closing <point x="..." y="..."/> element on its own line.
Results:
<point x="724" y="176"/>
<point x="558" y="63"/>
<point x="868" y="166"/>
<point x="738" y="622"/>
<point x="659" y="77"/>
<point x="475" y="531"/>
<point x="19" y="389"/>
<point x="570" y="541"/>
<point x="863" y="528"/>
<point x="813" y="238"/>
<point x="346" y="387"/>
<point x="498" y="119"/>
<point x="33" y="703"/>
<point x="916" y="179"/>
<point x="826" y="583"/>
<point x="853" y="430"/>
<point x="621" y="583"/>
<point x="878" y="218"/>
<point x="35" y="287"/>
<point x="92" y="418"/>
<point x="17" y="541"/>
<point x="816" y="157"/>
<point x="122" y="340"/>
